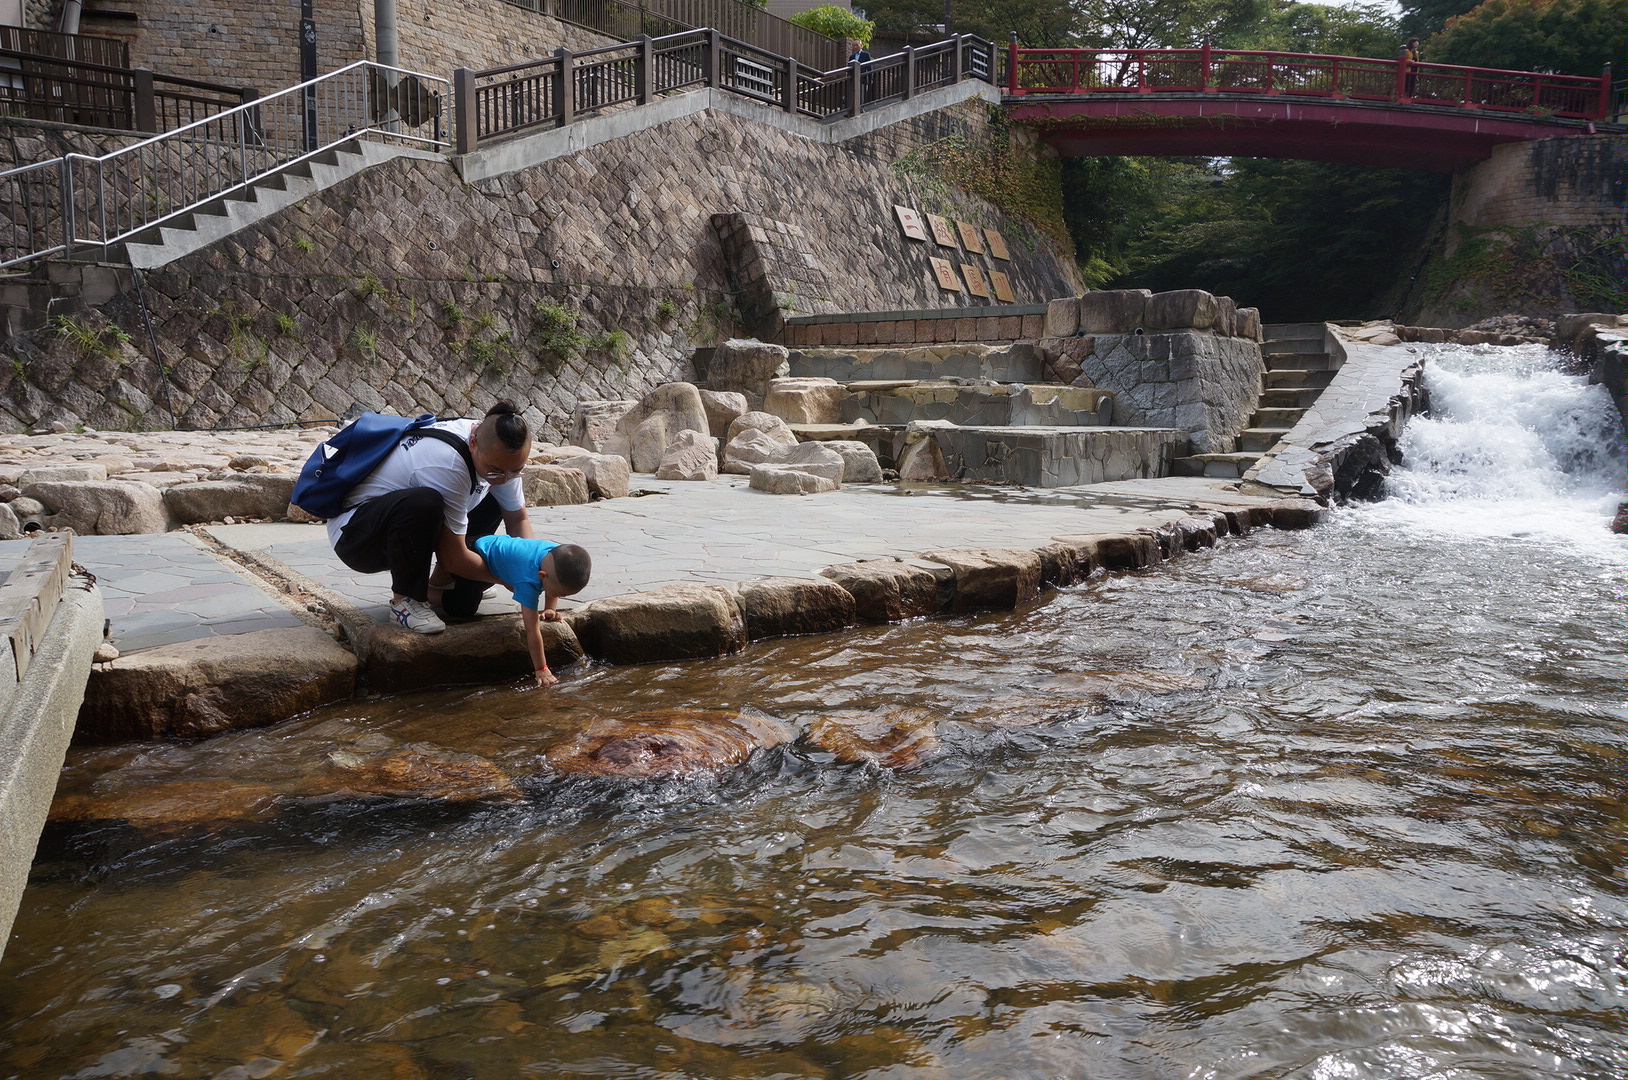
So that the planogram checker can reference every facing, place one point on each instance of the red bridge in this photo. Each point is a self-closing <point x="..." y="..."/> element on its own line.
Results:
<point x="1225" y="103"/>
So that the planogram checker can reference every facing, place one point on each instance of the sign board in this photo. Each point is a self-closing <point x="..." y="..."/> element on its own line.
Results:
<point x="971" y="238"/>
<point x="997" y="245"/>
<point x="1003" y="287"/>
<point x="910" y="222"/>
<point x="943" y="231"/>
<point x="975" y="280"/>
<point x="945" y="273"/>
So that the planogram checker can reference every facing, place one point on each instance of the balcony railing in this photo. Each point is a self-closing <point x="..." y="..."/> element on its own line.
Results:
<point x="557" y="90"/>
<point x="627" y="19"/>
<point x="1144" y="71"/>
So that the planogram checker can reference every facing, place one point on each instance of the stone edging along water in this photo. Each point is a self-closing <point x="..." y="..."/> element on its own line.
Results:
<point x="204" y="687"/>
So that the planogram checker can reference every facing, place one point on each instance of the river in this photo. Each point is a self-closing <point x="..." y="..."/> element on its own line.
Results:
<point x="1330" y="805"/>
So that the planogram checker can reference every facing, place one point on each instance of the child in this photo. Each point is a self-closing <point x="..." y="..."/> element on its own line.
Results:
<point x="533" y="570"/>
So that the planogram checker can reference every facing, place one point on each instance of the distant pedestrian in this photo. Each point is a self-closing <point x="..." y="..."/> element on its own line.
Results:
<point x="1409" y="58"/>
<point x="430" y="499"/>
<point x="858" y="54"/>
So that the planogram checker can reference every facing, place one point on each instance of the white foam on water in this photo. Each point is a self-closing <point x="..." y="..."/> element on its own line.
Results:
<point x="1511" y="447"/>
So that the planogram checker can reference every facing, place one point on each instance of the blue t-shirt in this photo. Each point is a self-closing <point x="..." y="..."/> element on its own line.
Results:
<point x="514" y="559"/>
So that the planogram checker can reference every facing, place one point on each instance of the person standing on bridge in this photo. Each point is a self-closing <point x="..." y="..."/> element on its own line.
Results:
<point x="1409" y="58"/>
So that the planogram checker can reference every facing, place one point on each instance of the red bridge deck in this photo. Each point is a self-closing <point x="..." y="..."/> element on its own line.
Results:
<point x="1204" y="102"/>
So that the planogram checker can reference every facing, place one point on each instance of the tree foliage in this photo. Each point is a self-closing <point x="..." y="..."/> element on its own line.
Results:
<point x="1354" y="30"/>
<point x="1574" y="37"/>
<point x="835" y="22"/>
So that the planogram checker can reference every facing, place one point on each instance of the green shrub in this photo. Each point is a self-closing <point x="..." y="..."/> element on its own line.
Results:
<point x="835" y="22"/>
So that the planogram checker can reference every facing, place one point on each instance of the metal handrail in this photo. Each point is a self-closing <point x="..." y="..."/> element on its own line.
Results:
<point x="1210" y="70"/>
<point x="97" y="202"/>
<point x="559" y="89"/>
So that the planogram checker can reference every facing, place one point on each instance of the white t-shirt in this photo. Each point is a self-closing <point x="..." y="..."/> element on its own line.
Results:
<point x="431" y="463"/>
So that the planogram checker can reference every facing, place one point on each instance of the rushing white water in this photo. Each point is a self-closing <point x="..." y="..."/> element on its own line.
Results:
<point x="1512" y="447"/>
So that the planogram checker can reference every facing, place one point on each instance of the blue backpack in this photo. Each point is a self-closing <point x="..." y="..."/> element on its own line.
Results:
<point x="339" y="464"/>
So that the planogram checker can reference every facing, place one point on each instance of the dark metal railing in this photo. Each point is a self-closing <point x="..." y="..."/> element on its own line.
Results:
<point x="75" y="79"/>
<point x="555" y="91"/>
<point x="1208" y="70"/>
<point x="661" y="18"/>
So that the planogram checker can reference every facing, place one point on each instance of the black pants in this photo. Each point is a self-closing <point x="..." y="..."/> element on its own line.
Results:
<point x="398" y="532"/>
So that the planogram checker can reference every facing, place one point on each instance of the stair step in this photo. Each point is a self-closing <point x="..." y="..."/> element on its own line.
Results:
<point x="1306" y="378"/>
<point x="1299" y="362"/>
<point x="1293" y="345"/>
<point x="1228" y="466"/>
<point x="1289" y="397"/>
<point x="1294" y="330"/>
<point x="1260" y="440"/>
<point x="1276" y="418"/>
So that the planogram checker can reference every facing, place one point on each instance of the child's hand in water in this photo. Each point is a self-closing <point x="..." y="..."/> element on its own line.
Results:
<point x="545" y="677"/>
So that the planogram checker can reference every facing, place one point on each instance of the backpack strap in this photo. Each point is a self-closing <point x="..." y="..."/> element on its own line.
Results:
<point x="460" y="445"/>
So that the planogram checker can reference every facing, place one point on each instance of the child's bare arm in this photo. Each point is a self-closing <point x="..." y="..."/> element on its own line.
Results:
<point x="534" y="644"/>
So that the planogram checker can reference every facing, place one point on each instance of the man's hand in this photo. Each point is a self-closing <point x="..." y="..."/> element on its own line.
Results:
<point x="545" y="677"/>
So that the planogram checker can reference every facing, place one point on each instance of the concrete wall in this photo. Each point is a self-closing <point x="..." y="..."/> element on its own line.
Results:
<point x="405" y="288"/>
<point x="1537" y="229"/>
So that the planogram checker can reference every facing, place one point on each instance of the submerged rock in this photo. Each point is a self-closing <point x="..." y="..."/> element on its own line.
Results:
<point x="173" y="805"/>
<point x="896" y="739"/>
<point x="420" y="771"/>
<point x="665" y="743"/>
<point x="1070" y="690"/>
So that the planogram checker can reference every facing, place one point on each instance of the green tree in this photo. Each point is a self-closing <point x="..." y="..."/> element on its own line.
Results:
<point x="1574" y="37"/>
<point x="1356" y="30"/>
<point x="835" y="22"/>
<point x="1422" y="18"/>
<point x="1152" y="24"/>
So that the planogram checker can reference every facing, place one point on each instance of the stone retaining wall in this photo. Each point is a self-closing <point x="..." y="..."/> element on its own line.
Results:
<point x="989" y="325"/>
<point x="590" y="276"/>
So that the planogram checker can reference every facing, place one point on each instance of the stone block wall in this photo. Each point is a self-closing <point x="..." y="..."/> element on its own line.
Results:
<point x="590" y="276"/>
<point x="1537" y="229"/>
<point x="990" y="325"/>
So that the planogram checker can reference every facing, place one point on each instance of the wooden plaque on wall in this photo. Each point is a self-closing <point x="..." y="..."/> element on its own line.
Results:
<point x="997" y="245"/>
<point x="910" y="222"/>
<point x="975" y="280"/>
<point x="971" y="238"/>
<point x="1003" y="287"/>
<point x="943" y="231"/>
<point x="945" y="273"/>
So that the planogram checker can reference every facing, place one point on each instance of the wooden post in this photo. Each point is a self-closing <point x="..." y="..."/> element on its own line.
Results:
<point x="955" y="63"/>
<point x="909" y="72"/>
<point x="1604" y="108"/>
<point x="789" y="102"/>
<point x="465" y="129"/>
<point x="856" y="103"/>
<point x="1012" y="65"/>
<point x="1204" y="67"/>
<point x="565" y="88"/>
<point x="146" y="105"/>
<point x="644" y="70"/>
<point x="714" y="59"/>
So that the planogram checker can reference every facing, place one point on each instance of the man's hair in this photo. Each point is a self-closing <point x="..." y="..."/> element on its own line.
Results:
<point x="506" y="424"/>
<point x="571" y="567"/>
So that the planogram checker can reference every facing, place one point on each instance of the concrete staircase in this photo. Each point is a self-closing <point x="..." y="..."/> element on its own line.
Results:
<point x="221" y="217"/>
<point x="990" y="413"/>
<point x="1298" y="368"/>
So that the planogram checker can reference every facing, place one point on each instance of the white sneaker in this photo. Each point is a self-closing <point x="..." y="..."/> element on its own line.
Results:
<point x="416" y="615"/>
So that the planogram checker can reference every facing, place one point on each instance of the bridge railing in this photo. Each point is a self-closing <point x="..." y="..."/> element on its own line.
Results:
<point x="1208" y="70"/>
<point x="559" y="89"/>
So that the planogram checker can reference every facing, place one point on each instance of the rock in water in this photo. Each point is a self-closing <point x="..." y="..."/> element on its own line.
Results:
<point x="665" y="743"/>
<point x="1619" y="524"/>
<point x="422" y="771"/>
<point x="897" y="739"/>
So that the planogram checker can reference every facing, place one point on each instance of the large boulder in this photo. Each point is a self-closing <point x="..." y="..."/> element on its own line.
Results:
<point x="775" y="607"/>
<point x="607" y="474"/>
<point x="1180" y="309"/>
<point x="692" y="455"/>
<point x="1113" y="311"/>
<point x="593" y="422"/>
<point x="216" y="684"/>
<point x="805" y="401"/>
<point x="554" y="485"/>
<point x="45" y="474"/>
<point x="11" y="528"/>
<point x="769" y="424"/>
<point x="417" y="771"/>
<point x="997" y="578"/>
<point x="887" y="590"/>
<point x="722" y="409"/>
<point x="859" y="464"/>
<point x="752" y="447"/>
<point x="105" y="508"/>
<point x="665" y="743"/>
<point x="1063" y="317"/>
<point x="789" y="480"/>
<point x="489" y="649"/>
<point x="745" y="366"/>
<point x="1248" y="324"/>
<point x="676" y="622"/>
<point x="251" y="495"/>
<point x="651" y="425"/>
<point x="812" y="457"/>
<point x="921" y="458"/>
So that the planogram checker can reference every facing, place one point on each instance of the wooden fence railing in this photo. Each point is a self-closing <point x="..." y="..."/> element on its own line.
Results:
<point x="557" y="90"/>
<point x="627" y="19"/>
<point x="1207" y="70"/>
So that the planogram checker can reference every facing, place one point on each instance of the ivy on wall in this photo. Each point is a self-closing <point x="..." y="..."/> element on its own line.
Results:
<point x="1530" y="267"/>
